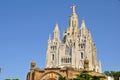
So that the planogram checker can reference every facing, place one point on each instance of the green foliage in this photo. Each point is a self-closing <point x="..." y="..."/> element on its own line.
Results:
<point x="108" y="73"/>
<point x="84" y="75"/>
<point x="97" y="77"/>
<point x="114" y="74"/>
<point x="62" y="78"/>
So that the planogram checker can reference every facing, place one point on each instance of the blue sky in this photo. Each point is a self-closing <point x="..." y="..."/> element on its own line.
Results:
<point x="26" y="24"/>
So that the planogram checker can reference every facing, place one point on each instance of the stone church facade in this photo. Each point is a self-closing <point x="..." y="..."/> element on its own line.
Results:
<point x="77" y="44"/>
<point x="67" y="57"/>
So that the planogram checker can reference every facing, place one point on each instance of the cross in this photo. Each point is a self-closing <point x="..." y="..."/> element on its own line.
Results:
<point x="73" y="8"/>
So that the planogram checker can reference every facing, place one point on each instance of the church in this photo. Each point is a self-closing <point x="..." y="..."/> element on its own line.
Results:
<point x="67" y="57"/>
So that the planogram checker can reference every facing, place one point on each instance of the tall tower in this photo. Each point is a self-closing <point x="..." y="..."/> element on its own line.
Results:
<point x="77" y="49"/>
<point x="53" y="48"/>
<point x="73" y="21"/>
<point x="56" y="34"/>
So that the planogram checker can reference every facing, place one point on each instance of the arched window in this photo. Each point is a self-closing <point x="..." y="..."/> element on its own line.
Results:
<point x="55" y="47"/>
<point x="65" y="60"/>
<point x="81" y="45"/>
<point x="62" y="60"/>
<point x="53" y="57"/>
<point x="82" y="56"/>
<point x="51" y="47"/>
<point x="70" y="60"/>
<point x="74" y="44"/>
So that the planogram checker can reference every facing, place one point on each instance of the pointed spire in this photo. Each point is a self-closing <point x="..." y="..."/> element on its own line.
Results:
<point x="83" y="22"/>
<point x="49" y="37"/>
<point x="56" y="27"/>
<point x="73" y="21"/>
<point x="83" y="27"/>
<point x="56" y="34"/>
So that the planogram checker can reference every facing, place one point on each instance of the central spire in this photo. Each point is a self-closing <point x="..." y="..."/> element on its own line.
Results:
<point x="73" y="8"/>
<point x="73" y="22"/>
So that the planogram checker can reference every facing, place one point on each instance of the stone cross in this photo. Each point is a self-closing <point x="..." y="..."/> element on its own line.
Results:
<point x="73" y="8"/>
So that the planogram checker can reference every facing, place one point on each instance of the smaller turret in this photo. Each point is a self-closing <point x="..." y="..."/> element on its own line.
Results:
<point x="56" y="34"/>
<point x="83" y="23"/>
<point x="73" y="21"/>
<point x="83" y="27"/>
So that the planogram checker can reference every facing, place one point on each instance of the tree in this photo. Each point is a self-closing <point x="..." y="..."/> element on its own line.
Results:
<point x="108" y="73"/>
<point x="97" y="77"/>
<point x="84" y="75"/>
<point x="114" y="74"/>
<point x="62" y="78"/>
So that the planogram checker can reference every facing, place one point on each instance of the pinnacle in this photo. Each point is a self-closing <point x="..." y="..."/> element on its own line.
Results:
<point x="83" y="22"/>
<point x="56" y="27"/>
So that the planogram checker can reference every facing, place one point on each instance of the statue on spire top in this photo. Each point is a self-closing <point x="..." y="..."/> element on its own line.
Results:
<point x="73" y="8"/>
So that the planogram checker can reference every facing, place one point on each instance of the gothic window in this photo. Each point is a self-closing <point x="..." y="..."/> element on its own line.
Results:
<point x="84" y="40"/>
<point x="84" y="45"/>
<point x="53" y="57"/>
<point x="66" y="60"/>
<point x="62" y="60"/>
<point x="74" y="44"/>
<point x="52" y="47"/>
<point x="55" y="47"/>
<point x="82" y="56"/>
<point x="81" y="45"/>
<point x="70" y="60"/>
